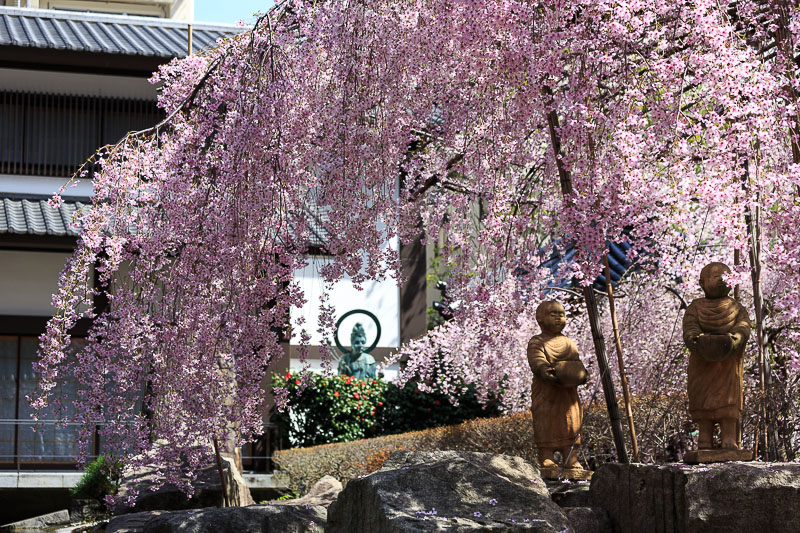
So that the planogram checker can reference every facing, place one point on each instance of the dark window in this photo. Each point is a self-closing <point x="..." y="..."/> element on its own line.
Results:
<point x="52" y="134"/>
<point x="20" y="445"/>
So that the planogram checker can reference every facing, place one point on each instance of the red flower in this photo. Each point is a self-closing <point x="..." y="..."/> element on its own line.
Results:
<point x="289" y="375"/>
<point x="355" y="395"/>
<point x="336" y="393"/>
<point x="349" y="380"/>
<point x="372" y="412"/>
<point x="380" y="403"/>
<point x="297" y="382"/>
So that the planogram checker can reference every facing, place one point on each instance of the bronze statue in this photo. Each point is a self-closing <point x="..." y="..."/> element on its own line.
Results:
<point x="716" y="329"/>
<point x="557" y="372"/>
<point x="357" y="362"/>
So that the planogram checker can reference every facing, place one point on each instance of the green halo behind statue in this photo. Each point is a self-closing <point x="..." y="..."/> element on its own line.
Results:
<point x="357" y="361"/>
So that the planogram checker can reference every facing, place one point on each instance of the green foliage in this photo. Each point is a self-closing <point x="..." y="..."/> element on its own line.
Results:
<point x="409" y="409"/>
<point x="435" y="318"/>
<point x="341" y="409"/>
<point x="101" y="477"/>
<point x="330" y="409"/>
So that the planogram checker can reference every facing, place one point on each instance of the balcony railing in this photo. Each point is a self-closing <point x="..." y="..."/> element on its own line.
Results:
<point x="53" y="134"/>
<point x="49" y="444"/>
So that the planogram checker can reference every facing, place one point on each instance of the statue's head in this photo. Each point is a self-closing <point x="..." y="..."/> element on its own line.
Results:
<point x="358" y="338"/>
<point x="551" y="317"/>
<point x="712" y="282"/>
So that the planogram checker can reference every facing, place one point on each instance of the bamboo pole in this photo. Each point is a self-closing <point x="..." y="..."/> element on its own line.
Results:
<point x="753" y="223"/>
<point x="623" y="375"/>
<point x="565" y="180"/>
<point x="737" y="295"/>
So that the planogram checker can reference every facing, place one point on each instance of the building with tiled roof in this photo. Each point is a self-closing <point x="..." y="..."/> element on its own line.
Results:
<point x="70" y="82"/>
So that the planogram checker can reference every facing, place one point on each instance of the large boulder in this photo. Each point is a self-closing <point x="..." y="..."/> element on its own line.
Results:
<point x="712" y="498"/>
<point x="252" y="519"/>
<point x="207" y="493"/>
<point x="447" y="491"/>
<point x="38" y="523"/>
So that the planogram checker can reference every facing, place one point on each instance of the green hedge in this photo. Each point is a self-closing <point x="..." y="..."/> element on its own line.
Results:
<point x="662" y="426"/>
<point x="300" y="468"/>
<point x="340" y="409"/>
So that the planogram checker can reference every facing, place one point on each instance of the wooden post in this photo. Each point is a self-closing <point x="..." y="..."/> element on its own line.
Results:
<point x="565" y="180"/>
<point x="623" y="376"/>
<point x="189" y="46"/>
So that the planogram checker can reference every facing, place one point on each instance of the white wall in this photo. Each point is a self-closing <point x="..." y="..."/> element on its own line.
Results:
<point x="43" y="185"/>
<point x="382" y="298"/>
<point x="43" y="81"/>
<point x="28" y="281"/>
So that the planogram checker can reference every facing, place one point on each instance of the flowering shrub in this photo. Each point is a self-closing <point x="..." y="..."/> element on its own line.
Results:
<point x="325" y="409"/>
<point x="398" y="117"/>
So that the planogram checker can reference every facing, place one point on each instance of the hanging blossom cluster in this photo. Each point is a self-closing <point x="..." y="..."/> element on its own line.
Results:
<point x="434" y="117"/>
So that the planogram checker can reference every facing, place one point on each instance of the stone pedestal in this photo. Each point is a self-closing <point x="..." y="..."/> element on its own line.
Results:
<point x="717" y="455"/>
<point x="713" y="498"/>
<point x="555" y="472"/>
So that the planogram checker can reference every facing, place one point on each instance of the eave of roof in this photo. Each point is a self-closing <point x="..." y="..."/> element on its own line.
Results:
<point x="106" y="34"/>
<point x="34" y="216"/>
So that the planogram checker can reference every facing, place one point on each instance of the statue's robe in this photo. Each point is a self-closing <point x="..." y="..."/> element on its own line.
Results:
<point x="556" y="411"/>
<point x="363" y="367"/>
<point x="715" y="387"/>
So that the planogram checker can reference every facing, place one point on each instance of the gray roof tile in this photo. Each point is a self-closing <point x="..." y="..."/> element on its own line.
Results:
<point x="34" y="216"/>
<point x="115" y="34"/>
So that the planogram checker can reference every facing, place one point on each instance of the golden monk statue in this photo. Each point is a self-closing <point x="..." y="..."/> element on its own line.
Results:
<point x="557" y="372"/>
<point x="715" y="329"/>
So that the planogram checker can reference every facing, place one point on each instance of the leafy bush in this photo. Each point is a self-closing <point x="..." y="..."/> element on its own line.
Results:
<point x="410" y="409"/>
<point x="330" y="409"/>
<point x="100" y="478"/>
<point x="340" y="408"/>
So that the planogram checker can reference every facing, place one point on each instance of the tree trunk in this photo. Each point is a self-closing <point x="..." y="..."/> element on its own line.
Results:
<point x="565" y="180"/>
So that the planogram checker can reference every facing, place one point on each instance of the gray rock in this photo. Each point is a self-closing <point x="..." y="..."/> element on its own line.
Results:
<point x="322" y="493"/>
<point x="588" y="519"/>
<point x="37" y="522"/>
<point x="81" y="509"/>
<point x="251" y="519"/>
<point x="447" y="491"/>
<point x="208" y="490"/>
<point x="569" y="493"/>
<point x="715" y="498"/>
